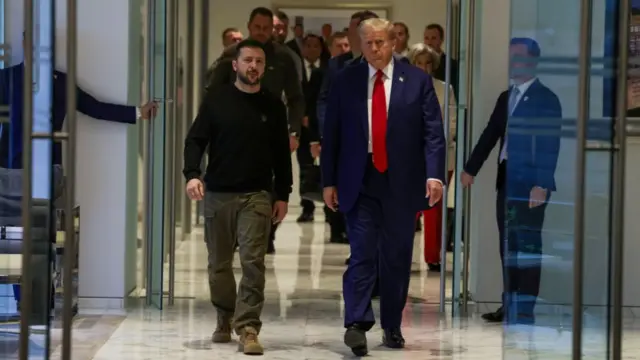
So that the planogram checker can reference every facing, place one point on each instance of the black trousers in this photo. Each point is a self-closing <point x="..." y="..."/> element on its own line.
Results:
<point x="305" y="159"/>
<point x="520" y="229"/>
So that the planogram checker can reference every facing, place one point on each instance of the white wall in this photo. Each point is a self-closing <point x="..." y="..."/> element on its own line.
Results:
<point x="556" y="28"/>
<point x="103" y="63"/>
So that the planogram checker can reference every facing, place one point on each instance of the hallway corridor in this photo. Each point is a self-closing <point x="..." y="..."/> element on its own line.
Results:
<point x="303" y="315"/>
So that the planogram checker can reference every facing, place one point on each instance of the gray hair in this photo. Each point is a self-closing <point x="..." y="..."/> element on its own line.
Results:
<point x="377" y="24"/>
<point x="420" y="49"/>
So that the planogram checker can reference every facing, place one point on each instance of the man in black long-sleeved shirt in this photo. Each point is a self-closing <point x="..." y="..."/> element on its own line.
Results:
<point x="245" y="128"/>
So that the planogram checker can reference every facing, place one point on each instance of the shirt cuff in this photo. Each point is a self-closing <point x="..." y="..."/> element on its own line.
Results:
<point x="438" y="180"/>
<point x="138" y="113"/>
<point x="314" y="143"/>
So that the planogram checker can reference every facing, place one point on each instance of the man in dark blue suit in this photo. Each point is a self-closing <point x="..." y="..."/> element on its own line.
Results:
<point x="11" y="96"/>
<point x="527" y="122"/>
<point x="383" y="160"/>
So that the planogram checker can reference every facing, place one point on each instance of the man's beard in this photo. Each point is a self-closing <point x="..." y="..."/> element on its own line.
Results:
<point x="245" y="79"/>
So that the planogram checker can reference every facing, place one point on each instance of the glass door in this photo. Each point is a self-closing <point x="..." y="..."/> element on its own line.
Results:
<point x="32" y="180"/>
<point x="563" y="242"/>
<point x="159" y="209"/>
<point x="462" y="199"/>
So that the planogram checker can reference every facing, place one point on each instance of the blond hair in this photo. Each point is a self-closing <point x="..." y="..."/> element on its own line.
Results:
<point x="420" y="49"/>
<point x="377" y="24"/>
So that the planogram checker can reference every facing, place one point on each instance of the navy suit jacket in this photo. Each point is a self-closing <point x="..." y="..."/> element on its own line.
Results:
<point x="534" y="130"/>
<point x="415" y="135"/>
<point x="11" y="94"/>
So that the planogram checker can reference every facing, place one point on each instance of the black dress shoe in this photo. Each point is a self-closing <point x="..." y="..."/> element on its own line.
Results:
<point x="356" y="339"/>
<point x="494" y="317"/>
<point x="305" y="218"/>
<point x="392" y="338"/>
<point x="433" y="267"/>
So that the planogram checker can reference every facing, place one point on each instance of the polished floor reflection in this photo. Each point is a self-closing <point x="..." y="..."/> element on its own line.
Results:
<point x="303" y="316"/>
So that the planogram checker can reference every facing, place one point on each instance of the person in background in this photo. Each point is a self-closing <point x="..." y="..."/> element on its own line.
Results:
<point x="327" y="30"/>
<point x="402" y="38"/>
<point x="280" y="34"/>
<point x="309" y="137"/>
<point x="338" y="44"/>
<point x="427" y="59"/>
<point x="231" y="36"/>
<point x="383" y="160"/>
<point x="244" y="127"/>
<point x="434" y="37"/>
<point x="296" y="43"/>
<point x="527" y="122"/>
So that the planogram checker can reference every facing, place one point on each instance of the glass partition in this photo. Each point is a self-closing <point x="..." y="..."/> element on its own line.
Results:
<point x="554" y="179"/>
<point x="31" y="183"/>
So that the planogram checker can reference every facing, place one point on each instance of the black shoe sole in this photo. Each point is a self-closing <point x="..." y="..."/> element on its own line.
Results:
<point x="357" y="341"/>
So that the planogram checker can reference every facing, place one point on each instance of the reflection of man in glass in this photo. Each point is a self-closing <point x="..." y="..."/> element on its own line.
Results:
<point x="525" y="181"/>
<point x="11" y="96"/>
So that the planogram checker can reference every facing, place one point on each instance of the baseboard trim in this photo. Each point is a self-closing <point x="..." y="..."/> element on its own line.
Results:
<point x="95" y="305"/>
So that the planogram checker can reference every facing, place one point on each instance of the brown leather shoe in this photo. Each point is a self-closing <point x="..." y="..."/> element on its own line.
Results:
<point x="249" y="343"/>
<point x="222" y="334"/>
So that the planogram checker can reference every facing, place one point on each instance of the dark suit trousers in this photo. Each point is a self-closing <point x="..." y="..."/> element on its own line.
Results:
<point x="305" y="159"/>
<point x="520" y="230"/>
<point x="381" y="240"/>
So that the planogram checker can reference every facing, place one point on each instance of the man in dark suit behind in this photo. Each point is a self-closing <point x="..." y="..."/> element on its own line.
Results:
<point x="312" y="74"/>
<point x="336" y="219"/>
<point x="531" y="143"/>
<point x="383" y="160"/>
<point x="434" y="37"/>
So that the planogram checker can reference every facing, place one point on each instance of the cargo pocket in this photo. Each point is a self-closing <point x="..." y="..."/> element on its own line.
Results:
<point x="254" y="221"/>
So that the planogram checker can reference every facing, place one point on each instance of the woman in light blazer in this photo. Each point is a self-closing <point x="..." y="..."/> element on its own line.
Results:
<point x="427" y="59"/>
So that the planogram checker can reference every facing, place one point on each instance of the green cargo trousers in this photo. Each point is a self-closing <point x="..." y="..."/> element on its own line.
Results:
<point x="245" y="219"/>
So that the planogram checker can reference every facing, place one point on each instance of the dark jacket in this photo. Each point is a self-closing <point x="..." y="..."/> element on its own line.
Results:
<point x="280" y="77"/>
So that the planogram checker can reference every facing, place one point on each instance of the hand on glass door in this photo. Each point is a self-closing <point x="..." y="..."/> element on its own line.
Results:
<point x="149" y="110"/>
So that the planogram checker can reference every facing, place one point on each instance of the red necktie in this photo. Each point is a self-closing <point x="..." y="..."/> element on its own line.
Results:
<point x="379" y="123"/>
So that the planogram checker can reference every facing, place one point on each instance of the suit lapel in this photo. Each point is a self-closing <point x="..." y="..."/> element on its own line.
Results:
<point x="397" y="90"/>
<point x="361" y="94"/>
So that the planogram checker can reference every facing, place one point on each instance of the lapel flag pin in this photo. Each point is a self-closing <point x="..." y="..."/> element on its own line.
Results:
<point x="526" y="98"/>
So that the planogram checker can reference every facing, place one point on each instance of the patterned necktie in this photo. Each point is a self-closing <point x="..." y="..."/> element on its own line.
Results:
<point x="513" y="101"/>
<point x="379" y="123"/>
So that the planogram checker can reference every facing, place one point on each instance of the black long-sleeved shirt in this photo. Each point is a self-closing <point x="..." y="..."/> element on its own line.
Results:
<point x="248" y="143"/>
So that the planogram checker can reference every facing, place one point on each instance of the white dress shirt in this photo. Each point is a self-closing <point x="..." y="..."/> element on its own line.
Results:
<point x="307" y="67"/>
<point x="522" y="89"/>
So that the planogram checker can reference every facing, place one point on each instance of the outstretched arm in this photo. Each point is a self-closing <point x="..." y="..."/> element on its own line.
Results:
<point x="89" y="105"/>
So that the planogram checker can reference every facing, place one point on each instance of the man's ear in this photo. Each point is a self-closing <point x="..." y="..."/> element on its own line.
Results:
<point x="234" y="63"/>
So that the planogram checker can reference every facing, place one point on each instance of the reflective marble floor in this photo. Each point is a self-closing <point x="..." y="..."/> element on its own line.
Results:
<point x="303" y="316"/>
